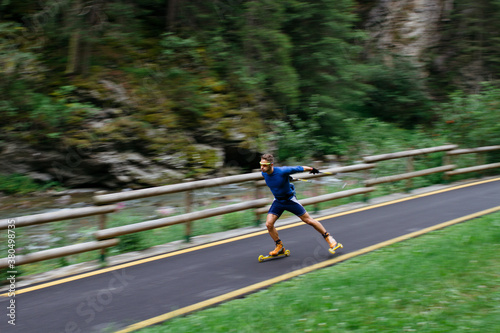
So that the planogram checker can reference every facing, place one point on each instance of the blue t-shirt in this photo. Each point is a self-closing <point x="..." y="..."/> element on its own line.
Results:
<point x="279" y="181"/>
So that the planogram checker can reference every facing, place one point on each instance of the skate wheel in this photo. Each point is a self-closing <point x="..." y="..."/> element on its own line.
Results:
<point x="287" y="253"/>
<point x="339" y="246"/>
<point x="261" y="258"/>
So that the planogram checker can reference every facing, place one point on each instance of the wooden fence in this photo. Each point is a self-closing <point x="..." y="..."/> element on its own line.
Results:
<point x="106" y="203"/>
<point x="409" y="154"/>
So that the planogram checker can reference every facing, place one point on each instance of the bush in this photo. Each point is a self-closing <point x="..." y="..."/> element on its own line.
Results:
<point x="471" y="120"/>
<point x="21" y="184"/>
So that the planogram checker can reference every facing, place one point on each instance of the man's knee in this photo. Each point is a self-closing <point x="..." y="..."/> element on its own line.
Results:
<point x="271" y="219"/>
<point x="307" y="219"/>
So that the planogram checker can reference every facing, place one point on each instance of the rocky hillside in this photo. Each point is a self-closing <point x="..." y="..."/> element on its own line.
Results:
<point x="114" y="147"/>
<point x="408" y="28"/>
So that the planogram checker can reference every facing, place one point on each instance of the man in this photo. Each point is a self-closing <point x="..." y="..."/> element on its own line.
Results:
<point x="278" y="180"/>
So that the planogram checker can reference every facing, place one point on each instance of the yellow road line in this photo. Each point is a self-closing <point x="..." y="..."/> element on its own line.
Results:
<point x="204" y="246"/>
<point x="323" y="264"/>
<point x="391" y="202"/>
<point x="133" y="263"/>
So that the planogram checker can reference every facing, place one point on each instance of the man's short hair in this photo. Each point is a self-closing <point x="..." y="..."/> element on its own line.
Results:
<point x="268" y="157"/>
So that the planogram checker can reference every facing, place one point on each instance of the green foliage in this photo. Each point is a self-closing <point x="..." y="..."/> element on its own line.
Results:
<point x="130" y="243"/>
<point x="37" y="112"/>
<point x="297" y="139"/>
<point x="471" y="120"/>
<point x="268" y="51"/>
<point x="470" y="47"/>
<point x="203" y="71"/>
<point x="182" y="52"/>
<point x="326" y="56"/>
<point x="16" y="183"/>
<point x="397" y="95"/>
<point x="372" y="136"/>
<point x="18" y="56"/>
<point x="21" y="184"/>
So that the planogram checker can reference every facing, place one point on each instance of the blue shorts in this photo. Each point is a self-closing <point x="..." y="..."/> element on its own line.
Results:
<point x="292" y="205"/>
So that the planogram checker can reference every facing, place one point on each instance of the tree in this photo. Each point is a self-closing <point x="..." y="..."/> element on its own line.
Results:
<point x="268" y="50"/>
<point x="326" y="55"/>
<point x="171" y="14"/>
<point x="471" y="120"/>
<point x="469" y="52"/>
<point x="397" y="94"/>
<point x="85" y="21"/>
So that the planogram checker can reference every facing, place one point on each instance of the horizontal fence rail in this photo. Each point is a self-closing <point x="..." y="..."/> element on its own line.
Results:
<point x="472" y="150"/>
<point x="407" y="153"/>
<point x="473" y="169"/>
<point x="403" y="176"/>
<point x="58" y="252"/>
<point x="60" y="215"/>
<point x="328" y="172"/>
<point x="167" y="189"/>
<point x="476" y="168"/>
<point x="107" y="203"/>
<point x="410" y="174"/>
<point x="327" y="197"/>
<point x="167" y="221"/>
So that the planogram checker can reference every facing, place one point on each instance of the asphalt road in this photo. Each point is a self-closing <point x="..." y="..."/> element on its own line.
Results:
<point x="114" y="298"/>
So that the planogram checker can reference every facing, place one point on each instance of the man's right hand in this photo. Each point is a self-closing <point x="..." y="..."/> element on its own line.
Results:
<point x="314" y="171"/>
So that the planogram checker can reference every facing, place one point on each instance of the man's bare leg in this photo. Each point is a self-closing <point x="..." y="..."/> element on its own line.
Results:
<point x="270" y="220"/>
<point x="306" y="218"/>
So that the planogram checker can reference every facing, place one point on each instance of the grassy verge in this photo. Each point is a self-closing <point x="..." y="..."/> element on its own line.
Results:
<point x="445" y="281"/>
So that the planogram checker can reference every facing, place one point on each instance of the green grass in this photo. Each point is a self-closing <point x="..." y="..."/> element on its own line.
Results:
<point x="445" y="281"/>
<point x="21" y="185"/>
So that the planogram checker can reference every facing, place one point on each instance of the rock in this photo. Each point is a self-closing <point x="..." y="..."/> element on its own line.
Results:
<point x="116" y="93"/>
<point x="408" y="28"/>
<point x="209" y="157"/>
<point x="64" y="200"/>
<point x="166" y="210"/>
<point x="176" y="161"/>
<point x="43" y="177"/>
<point x="106" y="167"/>
<point x="131" y="167"/>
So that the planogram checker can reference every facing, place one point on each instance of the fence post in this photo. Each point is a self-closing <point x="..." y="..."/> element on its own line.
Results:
<point x="366" y="176"/>
<point x="257" y="196"/>
<point x="410" y="167"/>
<point x="447" y="160"/>
<point x="481" y="159"/>
<point x="102" y="225"/>
<point x="316" y="186"/>
<point x="189" y="202"/>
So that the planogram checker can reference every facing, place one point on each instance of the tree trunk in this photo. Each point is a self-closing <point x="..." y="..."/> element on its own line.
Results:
<point x="74" y="40"/>
<point x="73" y="58"/>
<point x="85" y="61"/>
<point x="171" y="11"/>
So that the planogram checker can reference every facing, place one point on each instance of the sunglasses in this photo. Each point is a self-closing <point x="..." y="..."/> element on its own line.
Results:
<point x="261" y="163"/>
